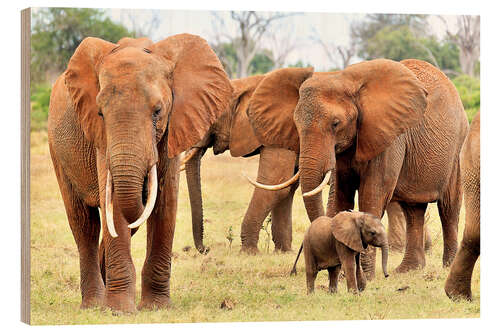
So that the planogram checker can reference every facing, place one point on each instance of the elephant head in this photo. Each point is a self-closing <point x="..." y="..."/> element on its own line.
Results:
<point x="232" y="130"/>
<point x="361" y="109"/>
<point x="357" y="230"/>
<point x="131" y="99"/>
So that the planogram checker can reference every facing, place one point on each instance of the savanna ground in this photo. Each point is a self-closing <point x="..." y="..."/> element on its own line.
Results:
<point x="257" y="288"/>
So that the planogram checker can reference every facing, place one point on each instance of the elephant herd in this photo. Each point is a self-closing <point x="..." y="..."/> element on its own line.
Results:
<point x="122" y="114"/>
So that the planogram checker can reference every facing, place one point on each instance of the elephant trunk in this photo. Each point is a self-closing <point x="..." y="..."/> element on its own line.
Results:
<point x="128" y="184"/>
<point x="195" y="198"/>
<point x="311" y="175"/>
<point x="385" y="255"/>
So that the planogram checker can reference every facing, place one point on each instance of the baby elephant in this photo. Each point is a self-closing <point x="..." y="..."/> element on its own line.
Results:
<point x="330" y="243"/>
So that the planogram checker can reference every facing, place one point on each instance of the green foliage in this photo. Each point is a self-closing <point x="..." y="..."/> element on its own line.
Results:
<point x="261" y="63"/>
<point x="300" y="64"/>
<point x="399" y="37"/>
<point x="401" y="43"/>
<point x="470" y="92"/>
<point x="40" y="98"/>
<point x="57" y="32"/>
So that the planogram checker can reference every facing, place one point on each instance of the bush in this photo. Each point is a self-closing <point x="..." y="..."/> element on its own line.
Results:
<point x="40" y="98"/>
<point x="469" y="89"/>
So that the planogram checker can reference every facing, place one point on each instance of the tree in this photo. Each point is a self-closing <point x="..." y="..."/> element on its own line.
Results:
<point x="57" y="32"/>
<point x="251" y="26"/>
<point x="467" y="37"/>
<point x="366" y="33"/>
<point x="340" y="55"/>
<point x="279" y="45"/>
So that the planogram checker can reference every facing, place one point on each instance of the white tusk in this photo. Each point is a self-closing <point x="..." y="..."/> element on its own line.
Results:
<point x="152" y="192"/>
<point x="189" y="155"/>
<point x="182" y="167"/>
<point x="274" y="187"/>
<point x="320" y="187"/>
<point x="109" y="206"/>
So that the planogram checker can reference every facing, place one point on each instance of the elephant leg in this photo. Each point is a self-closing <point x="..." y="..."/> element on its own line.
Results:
<point x="397" y="227"/>
<point x="414" y="257"/>
<point x="275" y="166"/>
<point x="333" y="276"/>
<point x="160" y="234"/>
<point x="377" y="183"/>
<point x="281" y="227"/>
<point x="458" y="283"/>
<point x="360" y="275"/>
<point x="85" y="226"/>
<point x="449" y="211"/>
<point x="119" y="268"/>
<point x="349" y="267"/>
<point x="459" y="279"/>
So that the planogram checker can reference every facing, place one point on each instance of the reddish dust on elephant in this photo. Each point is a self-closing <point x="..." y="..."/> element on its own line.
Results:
<point x="376" y="127"/>
<point x="115" y="131"/>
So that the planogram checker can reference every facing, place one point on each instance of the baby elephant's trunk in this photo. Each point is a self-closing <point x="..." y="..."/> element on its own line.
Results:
<point x="385" y="255"/>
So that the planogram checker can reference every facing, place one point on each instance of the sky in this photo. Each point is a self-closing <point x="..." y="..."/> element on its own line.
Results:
<point x="300" y="28"/>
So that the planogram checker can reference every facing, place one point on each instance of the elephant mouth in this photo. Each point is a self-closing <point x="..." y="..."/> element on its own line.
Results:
<point x="320" y="187"/>
<point x="149" y="194"/>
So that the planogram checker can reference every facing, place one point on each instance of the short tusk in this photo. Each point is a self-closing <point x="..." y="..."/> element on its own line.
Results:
<point x="190" y="155"/>
<point x="152" y="192"/>
<point x="109" y="206"/>
<point x="274" y="187"/>
<point x="186" y="157"/>
<point x="320" y="187"/>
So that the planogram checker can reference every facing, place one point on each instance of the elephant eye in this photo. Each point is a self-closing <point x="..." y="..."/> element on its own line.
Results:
<point x="100" y="113"/>
<point x="335" y="123"/>
<point x="372" y="233"/>
<point x="157" y="110"/>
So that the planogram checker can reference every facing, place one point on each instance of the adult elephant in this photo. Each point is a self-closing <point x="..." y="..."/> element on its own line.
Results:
<point x="119" y="116"/>
<point x="232" y="131"/>
<point x="459" y="279"/>
<point x="391" y="130"/>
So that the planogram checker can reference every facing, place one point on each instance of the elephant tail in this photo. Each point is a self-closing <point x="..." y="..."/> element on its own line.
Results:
<point x="294" y="269"/>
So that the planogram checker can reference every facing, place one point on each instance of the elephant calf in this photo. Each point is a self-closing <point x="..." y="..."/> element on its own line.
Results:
<point x="330" y="243"/>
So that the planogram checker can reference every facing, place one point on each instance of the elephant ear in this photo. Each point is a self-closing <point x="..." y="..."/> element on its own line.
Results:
<point x="346" y="228"/>
<point x="242" y="139"/>
<point x="81" y="80"/>
<point x="201" y="89"/>
<point x="273" y="104"/>
<point x="391" y="100"/>
<point x="142" y="42"/>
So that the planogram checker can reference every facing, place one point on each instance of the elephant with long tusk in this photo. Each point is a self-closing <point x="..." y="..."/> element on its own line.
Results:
<point x="115" y="133"/>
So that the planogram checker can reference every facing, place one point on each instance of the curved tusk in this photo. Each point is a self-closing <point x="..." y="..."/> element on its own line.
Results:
<point x="109" y="206"/>
<point x="189" y="155"/>
<point x="320" y="187"/>
<point x="152" y="192"/>
<point x="182" y="168"/>
<point x="274" y="187"/>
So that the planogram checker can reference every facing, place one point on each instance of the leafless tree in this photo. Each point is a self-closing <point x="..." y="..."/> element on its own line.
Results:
<point x="280" y="44"/>
<point x="143" y="27"/>
<point x="251" y="26"/>
<point x="340" y="55"/>
<point x="467" y="37"/>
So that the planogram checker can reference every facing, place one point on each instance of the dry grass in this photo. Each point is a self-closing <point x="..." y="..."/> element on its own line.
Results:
<point x="254" y="288"/>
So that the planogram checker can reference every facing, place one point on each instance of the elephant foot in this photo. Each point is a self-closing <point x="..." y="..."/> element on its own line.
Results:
<point x="282" y="250"/>
<point x="92" y="302"/>
<point x="155" y="304"/>
<point x="251" y="250"/>
<point x="406" y="267"/>
<point x="120" y="304"/>
<point x="456" y="290"/>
